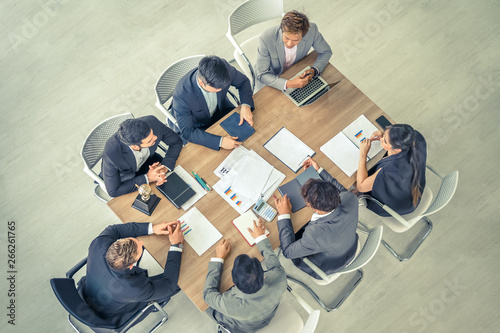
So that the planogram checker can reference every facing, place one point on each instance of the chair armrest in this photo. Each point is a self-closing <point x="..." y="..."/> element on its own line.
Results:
<point x="300" y="300"/>
<point x="431" y="168"/>
<point x="95" y="177"/>
<point x="234" y="97"/>
<point x="233" y="41"/>
<point x="76" y="268"/>
<point x="316" y="269"/>
<point x="388" y="209"/>
<point x="169" y="116"/>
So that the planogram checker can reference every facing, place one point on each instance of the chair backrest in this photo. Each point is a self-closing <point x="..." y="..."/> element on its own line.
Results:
<point x="369" y="249"/>
<point x="66" y="293"/>
<point x="93" y="146"/>
<point x="167" y="82"/>
<point x="446" y="191"/>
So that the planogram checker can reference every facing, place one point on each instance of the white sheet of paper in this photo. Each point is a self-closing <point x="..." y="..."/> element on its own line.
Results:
<point x="289" y="149"/>
<point x="253" y="174"/>
<point x="232" y="198"/>
<point x="150" y="263"/>
<point x="229" y="162"/>
<point x="363" y="125"/>
<point x="200" y="191"/>
<point x="203" y="234"/>
<point x="343" y="153"/>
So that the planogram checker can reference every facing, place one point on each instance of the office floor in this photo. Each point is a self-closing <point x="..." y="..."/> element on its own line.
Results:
<point x="68" y="65"/>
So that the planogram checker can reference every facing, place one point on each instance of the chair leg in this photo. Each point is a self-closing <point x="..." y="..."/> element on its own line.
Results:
<point x="72" y="325"/>
<point x="340" y="299"/>
<point x="98" y="196"/>
<point x="164" y="319"/>
<point x="397" y="255"/>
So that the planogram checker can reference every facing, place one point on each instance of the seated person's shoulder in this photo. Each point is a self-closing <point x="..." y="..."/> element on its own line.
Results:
<point x="270" y="33"/>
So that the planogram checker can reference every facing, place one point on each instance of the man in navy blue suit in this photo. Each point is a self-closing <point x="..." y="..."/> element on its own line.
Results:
<point x="129" y="156"/>
<point x="200" y="100"/>
<point x="115" y="286"/>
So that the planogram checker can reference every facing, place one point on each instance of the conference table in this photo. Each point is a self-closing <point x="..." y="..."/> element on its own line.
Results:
<point x="314" y="124"/>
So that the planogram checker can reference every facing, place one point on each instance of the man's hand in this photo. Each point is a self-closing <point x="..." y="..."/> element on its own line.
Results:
<point x="307" y="163"/>
<point x="222" y="250"/>
<point x="301" y="80"/>
<point x="376" y="135"/>
<point x="174" y="233"/>
<point x="156" y="173"/>
<point x="162" y="228"/>
<point x="229" y="142"/>
<point x="283" y="205"/>
<point x="258" y="230"/>
<point x="364" y="148"/>
<point x="246" y="114"/>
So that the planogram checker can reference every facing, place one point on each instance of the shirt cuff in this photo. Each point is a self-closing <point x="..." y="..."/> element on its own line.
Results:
<point x="247" y="105"/>
<point x="217" y="260"/>
<point x="316" y="71"/>
<point x="150" y="228"/>
<point x="285" y="87"/>
<point x="260" y="238"/>
<point x="320" y="170"/>
<point x="175" y="248"/>
<point x="147" y="180"/>
<point x="220" y="142"/>
<point x="284" y="216"/>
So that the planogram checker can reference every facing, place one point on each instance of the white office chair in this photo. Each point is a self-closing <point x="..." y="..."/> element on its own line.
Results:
<point x="365" y="255"/>
<point x="401" y="223"/>
<point x="93" y="148"/>
<point x="247" y="14"/>
<point x="166" y="83"/>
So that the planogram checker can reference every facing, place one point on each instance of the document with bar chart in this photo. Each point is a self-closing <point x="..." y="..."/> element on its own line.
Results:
<point x="198" y="231"/>
<point x="343" y="149"/>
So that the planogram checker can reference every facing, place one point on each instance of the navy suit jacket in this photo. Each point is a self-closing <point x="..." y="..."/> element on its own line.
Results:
<point x="191" y="110"/>
<point x="119" y="165"/>
<point x="329" y="242"/>
<point x="117" y="295"/>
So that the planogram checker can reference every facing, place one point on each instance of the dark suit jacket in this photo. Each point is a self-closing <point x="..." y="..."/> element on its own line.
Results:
<point x="118" y="161"/>
<point x="329" y="242"/>
<point x="392" y="186"/>
<point x="117" y="295"/>
<point x="191" y="110"/>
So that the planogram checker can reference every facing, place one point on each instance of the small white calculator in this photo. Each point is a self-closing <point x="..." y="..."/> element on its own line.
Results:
<point x="264" y="210"/>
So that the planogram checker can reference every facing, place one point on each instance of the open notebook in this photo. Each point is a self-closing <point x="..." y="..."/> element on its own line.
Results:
<point x="246" y="221"/>
<point x="343" y="149"/>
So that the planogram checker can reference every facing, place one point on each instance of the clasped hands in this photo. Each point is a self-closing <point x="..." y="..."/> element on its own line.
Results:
<point x="366" y="144"/>
<point x="157" y="173"/>
<point x="172" y="229"/>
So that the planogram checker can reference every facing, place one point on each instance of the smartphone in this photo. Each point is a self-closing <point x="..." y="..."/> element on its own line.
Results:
<point x="383" y="122"/>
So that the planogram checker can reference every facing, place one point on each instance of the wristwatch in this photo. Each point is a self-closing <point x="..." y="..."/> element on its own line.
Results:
<point x="179" y="245"/>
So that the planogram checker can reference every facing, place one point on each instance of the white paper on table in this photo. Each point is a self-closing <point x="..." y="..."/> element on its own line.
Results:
<point x="224" y="185"/>
<point x="289" y="149"/>
<point x="229" y="162"/>
<point x="343" y="153"/>
<point x="200" y="191"/>
<point x="203" y="234"/>
<point x="363" y="125"/>
<point x="252" y="176"/>
<point x="246" y="221"/>
<point x="150" y="263"/>
<point x="274" y="180"/>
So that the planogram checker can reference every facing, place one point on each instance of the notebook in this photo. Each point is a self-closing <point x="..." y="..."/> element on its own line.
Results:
<point x="176" y="190"/>
<point x="230" y="125"/>
<point x="289" y="149"/>
<point x="246" y="221"/>
<point x="343" y="149"/>
<point x="308" y="94"/>
<point x="292" y="188"/>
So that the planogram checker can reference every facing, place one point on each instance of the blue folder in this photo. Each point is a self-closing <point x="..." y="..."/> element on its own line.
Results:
<point x="230" y="125"/>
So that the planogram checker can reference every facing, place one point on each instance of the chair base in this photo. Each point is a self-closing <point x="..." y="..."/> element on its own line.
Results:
<point x="391" y="249"/>
<point x="341" y="298"/>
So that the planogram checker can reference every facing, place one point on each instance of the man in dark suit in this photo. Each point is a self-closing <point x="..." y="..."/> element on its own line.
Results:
<point x="329" y="239"/>
<point x="253" y="300"/>
<point x="200" y="100"/>
<point x="115" y="287"/>
<point x="129" y="156"/>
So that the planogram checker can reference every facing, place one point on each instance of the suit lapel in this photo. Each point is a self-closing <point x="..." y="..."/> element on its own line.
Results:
<point x="129" y="156"/>
<point x="280" y="49"/>
<point x="198" y="95"/>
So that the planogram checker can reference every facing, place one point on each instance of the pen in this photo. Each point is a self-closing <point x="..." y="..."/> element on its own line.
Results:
<point x="198" y="179"/>
<point x="308" y="73"/>
<point x="204" y="182"/>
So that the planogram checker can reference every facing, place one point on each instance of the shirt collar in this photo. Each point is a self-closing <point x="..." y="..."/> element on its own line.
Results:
<point x="317" y="216"/>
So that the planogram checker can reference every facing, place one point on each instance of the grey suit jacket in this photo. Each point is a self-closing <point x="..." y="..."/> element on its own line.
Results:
<point x="329" y="242"/>
<point x="242" y="312"/>
<point x="271" y="54"/>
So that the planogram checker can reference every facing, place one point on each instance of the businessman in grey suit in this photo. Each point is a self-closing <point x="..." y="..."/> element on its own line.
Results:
<point x="329" y="239"/>
<point x="252" y="302"/>
<point x="281" y="47"/>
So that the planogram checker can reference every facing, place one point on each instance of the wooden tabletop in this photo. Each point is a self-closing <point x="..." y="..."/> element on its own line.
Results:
<point x="314" y="124"/>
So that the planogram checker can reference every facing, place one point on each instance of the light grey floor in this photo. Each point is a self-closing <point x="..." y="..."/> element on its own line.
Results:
<point x="67" y="65"/>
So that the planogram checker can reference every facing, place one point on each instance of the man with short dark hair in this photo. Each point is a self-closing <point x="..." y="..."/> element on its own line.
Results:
<point x="282" y="46"/>
<point x="329" y="239"/>
<point x="200" y="100"/>
<point x="129" y="156"/>
<point x="252" y="302"/>
<point x="115" y="286"/>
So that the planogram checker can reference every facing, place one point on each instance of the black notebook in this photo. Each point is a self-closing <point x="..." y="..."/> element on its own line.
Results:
<point x="176" y="190"/>
<point x="230" y="125"/>
<point x="292" y="188"/>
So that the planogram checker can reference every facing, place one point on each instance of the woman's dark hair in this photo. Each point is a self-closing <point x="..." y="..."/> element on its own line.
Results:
<point x="402" y="136"/>
<point x="320" y="195"/>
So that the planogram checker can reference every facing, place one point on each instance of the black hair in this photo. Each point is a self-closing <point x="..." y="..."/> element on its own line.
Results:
<point x="213" y="71"/>
<point x="321" y="195"/>
<point x="247" y="274"/>
<point x="402" y="136"/>
<point x="133" y="131"/>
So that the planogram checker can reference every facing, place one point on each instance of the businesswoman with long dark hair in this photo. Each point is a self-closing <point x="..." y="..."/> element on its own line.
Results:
<point x="398" y="180"/>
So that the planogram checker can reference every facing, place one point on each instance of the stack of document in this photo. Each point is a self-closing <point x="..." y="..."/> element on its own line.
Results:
<point x="343" y="149"/>
<point x="245" y="178"/>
